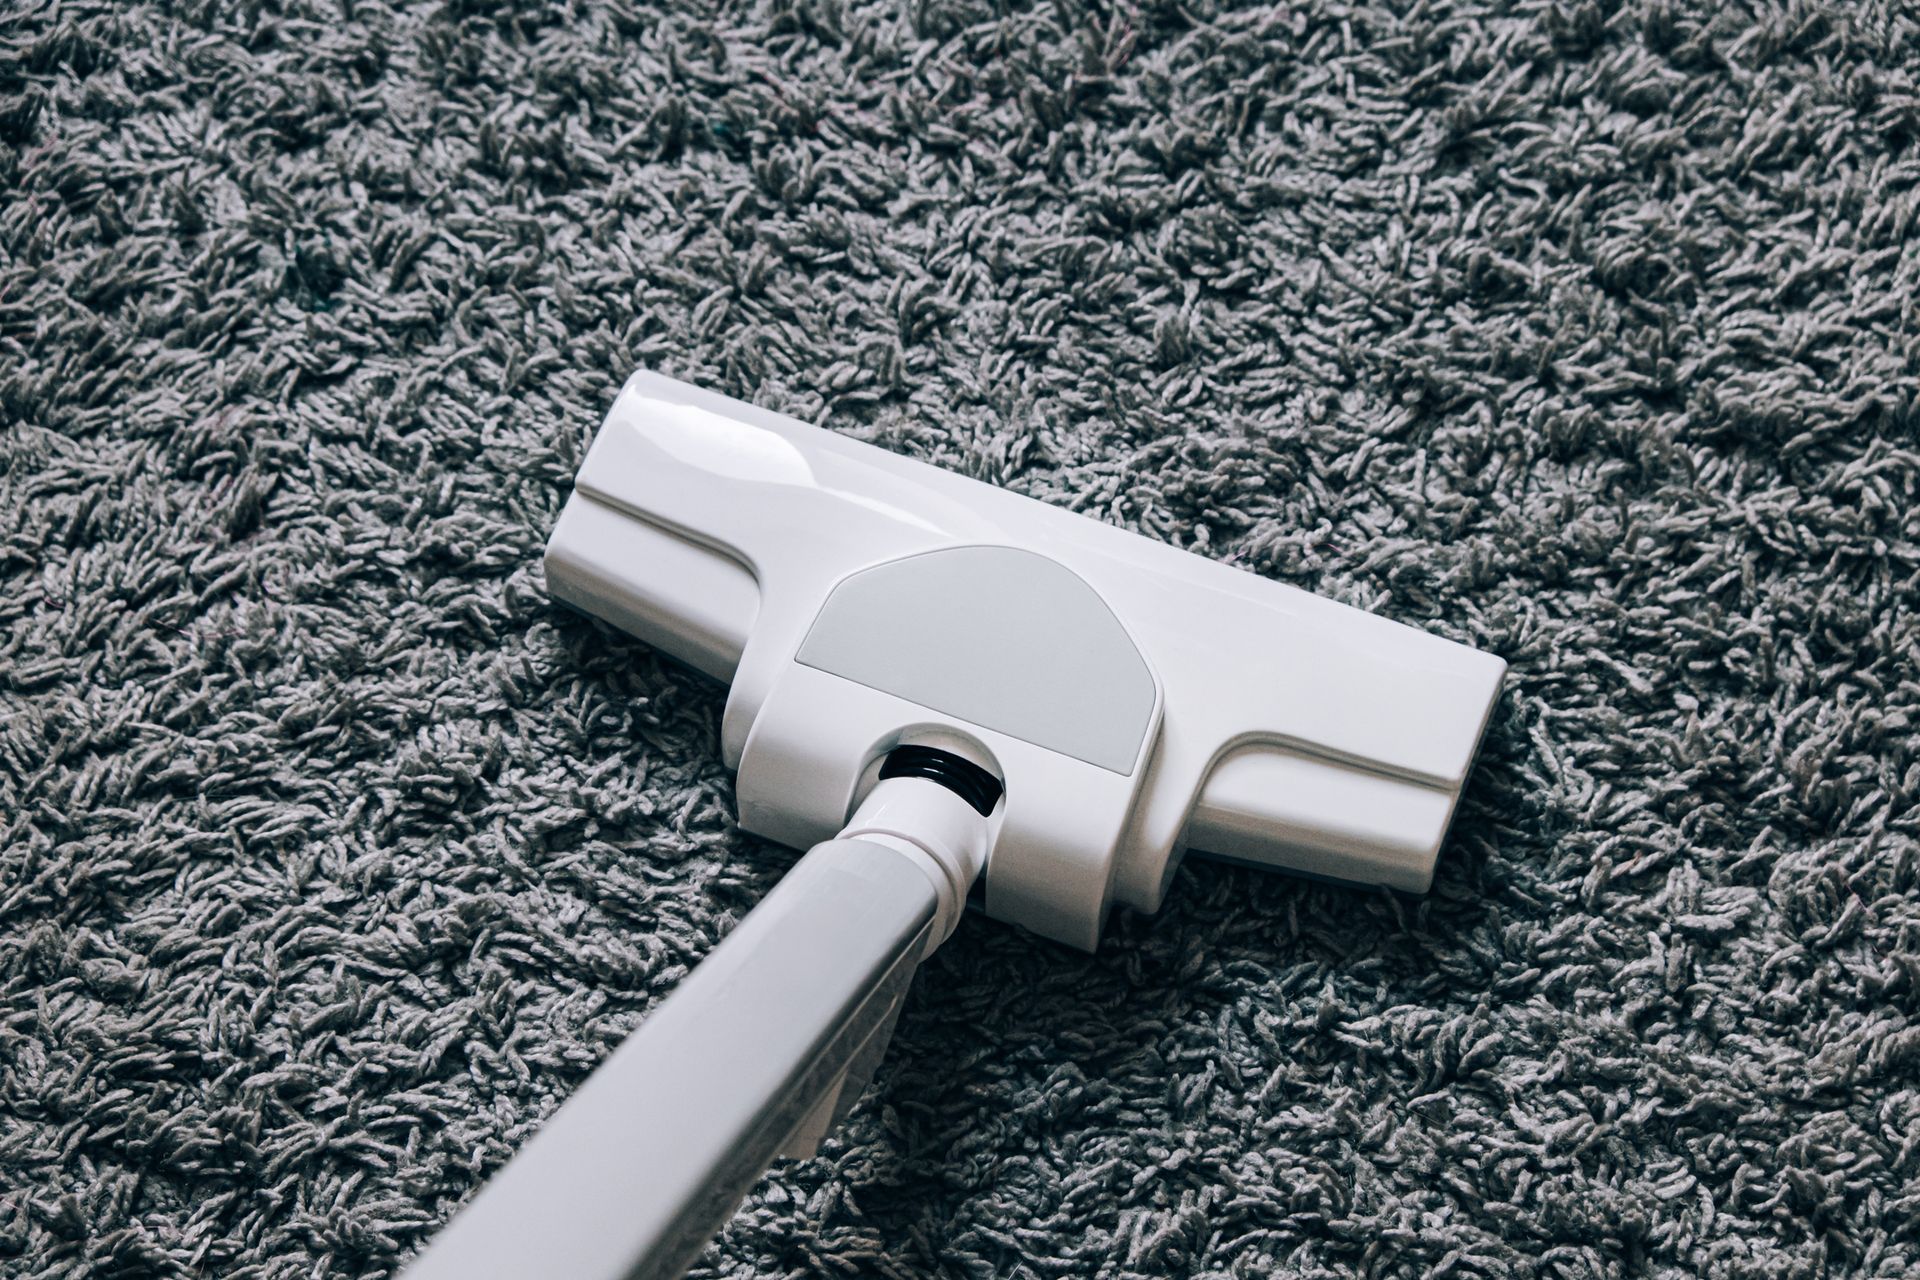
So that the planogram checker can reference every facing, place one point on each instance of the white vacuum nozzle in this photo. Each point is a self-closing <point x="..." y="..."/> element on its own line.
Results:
<point x="934" y="683"/>
<point x="1141" y="699"/>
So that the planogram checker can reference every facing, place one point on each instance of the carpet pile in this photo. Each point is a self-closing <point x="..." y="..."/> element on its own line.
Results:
<point x="333" y="855"/>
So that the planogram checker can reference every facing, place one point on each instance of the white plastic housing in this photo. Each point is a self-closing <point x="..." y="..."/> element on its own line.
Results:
<point x="856" y="599"/>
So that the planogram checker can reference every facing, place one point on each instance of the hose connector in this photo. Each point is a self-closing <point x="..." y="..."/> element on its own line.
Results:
<point x="932" y="805"/>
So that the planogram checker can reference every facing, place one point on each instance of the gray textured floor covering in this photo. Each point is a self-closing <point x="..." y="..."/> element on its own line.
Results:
<point x="333" y="855"/>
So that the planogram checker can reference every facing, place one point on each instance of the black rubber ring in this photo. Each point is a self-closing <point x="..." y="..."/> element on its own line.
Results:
<point x="956" y="773"/>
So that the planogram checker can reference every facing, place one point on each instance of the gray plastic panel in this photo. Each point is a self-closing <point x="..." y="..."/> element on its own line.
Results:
<point x="1007" y="639"/>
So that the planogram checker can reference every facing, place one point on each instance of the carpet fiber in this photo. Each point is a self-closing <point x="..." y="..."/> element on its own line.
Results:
<point x="333" y="854"/>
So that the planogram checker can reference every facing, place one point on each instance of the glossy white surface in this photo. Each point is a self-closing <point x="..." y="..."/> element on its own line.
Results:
<point x="1289" y="730"/>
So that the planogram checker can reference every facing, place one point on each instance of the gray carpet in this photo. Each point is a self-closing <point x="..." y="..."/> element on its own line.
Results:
<point x="333" y="855"/>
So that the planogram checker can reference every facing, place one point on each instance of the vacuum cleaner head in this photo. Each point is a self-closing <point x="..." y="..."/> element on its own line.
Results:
<point x="937" y="685"/>
<point x="1132" y="699"/>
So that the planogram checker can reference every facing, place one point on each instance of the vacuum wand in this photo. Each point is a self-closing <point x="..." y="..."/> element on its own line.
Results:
<point x="953" y="694"/>
<point x="758" y="1053"/>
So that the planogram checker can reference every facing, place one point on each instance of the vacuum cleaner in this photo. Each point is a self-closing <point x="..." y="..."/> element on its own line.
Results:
<point x="950" y="695"/>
